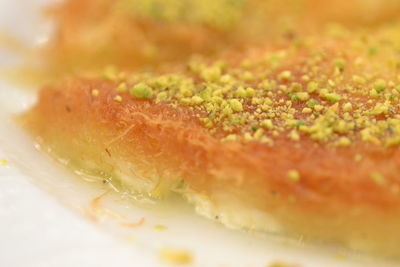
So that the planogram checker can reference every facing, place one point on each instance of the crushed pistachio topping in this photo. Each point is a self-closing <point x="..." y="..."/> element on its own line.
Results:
<point x="343" y="141"/>
<point x="236" y="105"/>
<point x="191" y="11"/>
<point x="95" y="92"/>
<point x="122" y="87"/>
<point x="293" y="175"/>
<point x="118" y="98"/>
<point x="378" y="178"/>
<point x="110" y="73"/>
<point x="312" y="92"/>
<point x="141" y="90"/>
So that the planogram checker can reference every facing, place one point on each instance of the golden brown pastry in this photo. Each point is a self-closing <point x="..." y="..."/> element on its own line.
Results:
<point x="137" y="34"/>
<point x="300" y="138"/>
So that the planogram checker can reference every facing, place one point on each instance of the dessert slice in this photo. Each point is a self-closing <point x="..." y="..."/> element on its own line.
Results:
<point x="301" y="140"/>
<point x="136" y="34"/>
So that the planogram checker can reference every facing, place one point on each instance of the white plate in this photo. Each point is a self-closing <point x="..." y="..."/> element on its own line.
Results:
<point x="47" y="216"/>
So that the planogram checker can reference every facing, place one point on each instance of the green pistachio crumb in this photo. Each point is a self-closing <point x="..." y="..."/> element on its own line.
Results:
<point x="285" y="75"/>
<point x="141" y="90"/>
<point x="258" y="133"/>
<point x="211" y="74"/>
<point x="236" y="105"/>
<point x="241" y="92"/>
<point x="359" y="80"/>
<point x="197" y="100"/>
<point x="122" y="87"/>
<point x="230" y="138"/>
<point x="293" y="175"/>
<point x="373" y="93"/>
<point x="343" y="141"/>
<point x="161" y="96"/>
<point x="118" y="98"/>
<point x="110" y="73"/>
<point x="311" y="103"/>
<point x="380" y="86"/>
<point x="318" y="108"/>
<point x="347" y="107"/>
<point x="296" y="87"/>
<point x="312" y="87"/>
<point x="267" y="124"/>
<point x="372" y="50"/>
<point x="378" y="178"/>
<point x="267" y="85"/>
<point x="95" y="92"/>
<point x="303" y="96"/>
<point x="340" y="63"/>
<point x="333" y="97"/>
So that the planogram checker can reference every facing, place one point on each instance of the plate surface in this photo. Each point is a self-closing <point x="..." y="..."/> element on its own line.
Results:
<point x="51" y="217"/>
